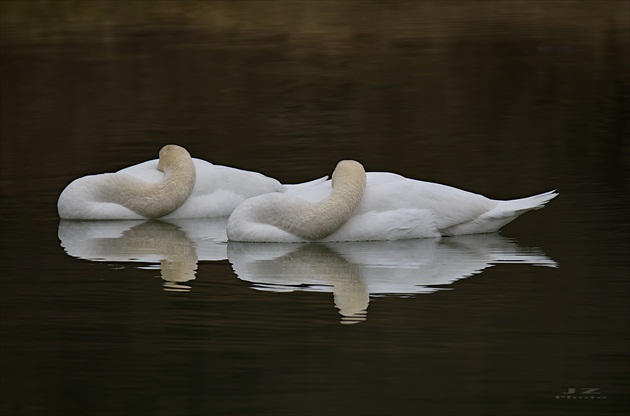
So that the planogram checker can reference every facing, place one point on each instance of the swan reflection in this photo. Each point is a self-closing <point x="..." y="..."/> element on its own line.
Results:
<point x="173" y="246"/>
<point x="356" y="271"/>
<point x="353" y="271"/>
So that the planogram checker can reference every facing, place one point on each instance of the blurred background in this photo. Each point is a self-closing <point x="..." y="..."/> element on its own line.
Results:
<point x="507" y="98"/>
<point x="429" y="88"/>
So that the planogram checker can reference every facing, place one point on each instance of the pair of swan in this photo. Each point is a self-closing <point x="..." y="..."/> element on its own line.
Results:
<point x="352" y="206"/>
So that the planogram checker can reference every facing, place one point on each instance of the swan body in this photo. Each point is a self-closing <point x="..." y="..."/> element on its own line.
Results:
<point x="392" y="208"/>
<point x="216" y="191"/>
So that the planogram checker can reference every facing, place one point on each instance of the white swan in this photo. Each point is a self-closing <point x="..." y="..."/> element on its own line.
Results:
<point x="131" y="192"/>
<point x="392" y="207"/>
<point x="124" y="196"/>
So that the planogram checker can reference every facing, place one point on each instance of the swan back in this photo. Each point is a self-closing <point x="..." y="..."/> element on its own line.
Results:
<point x="284" y="217"/>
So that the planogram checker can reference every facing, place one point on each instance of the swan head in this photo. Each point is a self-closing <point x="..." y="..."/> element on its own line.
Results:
<point x="348" y="171"/>
<point x="171" y="154"/>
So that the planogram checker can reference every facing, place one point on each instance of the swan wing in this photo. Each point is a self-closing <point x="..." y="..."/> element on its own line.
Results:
<point x="449" y="206"/>
<point x="399" y="224"/>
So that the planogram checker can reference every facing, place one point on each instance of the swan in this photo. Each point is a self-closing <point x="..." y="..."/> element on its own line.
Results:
<point x="124" y="196"/>
<point x="174" y="186"/>
<point x="391" y="207"/>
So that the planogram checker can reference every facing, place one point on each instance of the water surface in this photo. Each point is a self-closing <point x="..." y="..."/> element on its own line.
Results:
<point x="166" y="318"/>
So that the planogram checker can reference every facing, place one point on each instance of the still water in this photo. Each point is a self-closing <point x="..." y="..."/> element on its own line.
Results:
<point x="166" y="318"/>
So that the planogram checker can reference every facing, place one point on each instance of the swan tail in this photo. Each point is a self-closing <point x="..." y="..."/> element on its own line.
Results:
<point x="502" y="214"/>
<point x="305" y="185"/>
<point x="517" y="207"/>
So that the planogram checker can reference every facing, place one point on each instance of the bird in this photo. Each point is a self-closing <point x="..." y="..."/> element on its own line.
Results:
<point x="127" y="196"/>
<point x="360" y="206"/>
<point x="174" y="186"/>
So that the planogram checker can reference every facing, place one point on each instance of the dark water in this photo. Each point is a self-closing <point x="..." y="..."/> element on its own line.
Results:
<point x="158" y="318"/>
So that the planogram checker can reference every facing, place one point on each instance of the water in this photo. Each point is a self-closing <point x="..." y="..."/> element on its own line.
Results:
<point x="165" y="318"/>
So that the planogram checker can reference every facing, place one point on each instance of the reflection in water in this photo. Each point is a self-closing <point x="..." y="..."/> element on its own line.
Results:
<point x="176" y="246"/>
<point x="353" y="271"/>
<point x="313" y="267"/>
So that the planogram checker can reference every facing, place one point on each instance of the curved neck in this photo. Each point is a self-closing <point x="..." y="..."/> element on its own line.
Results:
<point x="154" y="200"/>
<point x="317" y="221"/>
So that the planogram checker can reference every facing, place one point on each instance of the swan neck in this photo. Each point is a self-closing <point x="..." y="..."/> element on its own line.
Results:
<point x="154" y="200"/>
<point x="319" y="220"/>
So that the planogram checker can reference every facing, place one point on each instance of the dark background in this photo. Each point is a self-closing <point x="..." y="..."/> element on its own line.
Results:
<point x="503" y="98"/>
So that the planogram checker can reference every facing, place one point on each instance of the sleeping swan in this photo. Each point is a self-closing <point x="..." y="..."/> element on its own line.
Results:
<point x="392" y="207"/>
<point x="124" y="196"/>
<point x="133" y="192"/>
